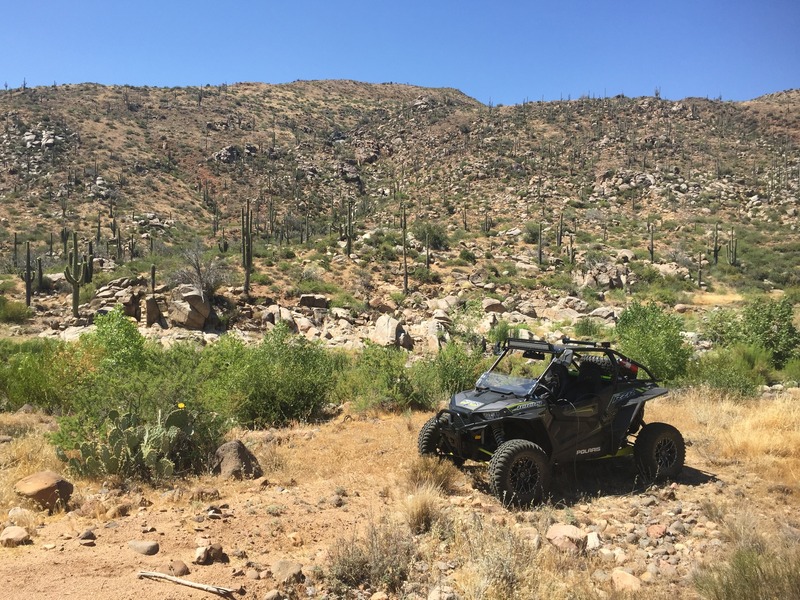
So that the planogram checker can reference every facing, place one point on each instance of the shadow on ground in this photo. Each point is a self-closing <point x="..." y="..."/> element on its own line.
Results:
<point x="578" y="482"/>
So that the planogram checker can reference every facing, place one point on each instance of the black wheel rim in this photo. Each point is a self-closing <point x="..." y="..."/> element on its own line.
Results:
<point x="666" y="454"/>
<point x="523" y="477"/>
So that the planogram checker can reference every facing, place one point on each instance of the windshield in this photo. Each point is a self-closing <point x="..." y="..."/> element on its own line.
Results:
<point x="506" y="384"/>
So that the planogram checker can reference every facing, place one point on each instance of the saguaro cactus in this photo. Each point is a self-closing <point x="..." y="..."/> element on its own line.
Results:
<point x="75" y="273"/>
<point x="247" y="244"/>
<point x="27" y="274"/>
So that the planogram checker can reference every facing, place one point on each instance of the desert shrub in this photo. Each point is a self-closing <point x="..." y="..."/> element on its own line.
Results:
<point x="422" y="509"/>
<point x="588" y="328"/>
<point x="33" y="373"/>
<point x="379" y="378"/>
<point x="457" y="367"/>
<point x="768" y="323"/>
<point x="434" y="234"/>
<point x="738" y="370"/>
<point x="649" y="335"/>
<point x="791" y="370"/>
<point x="284" y="379"/>
<point x="467" y="256"/>
<point x="423" y="275"/>
<point x="723" y="326"/>
<point x="380" y="558"/>
<point x="500" y="332"/>
<point x="205" y="271"/>
<point x="13" y="312"/>
<point x="531" y="233"/>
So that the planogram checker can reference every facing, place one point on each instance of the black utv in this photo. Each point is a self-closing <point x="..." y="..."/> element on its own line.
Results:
<point x="543" y="404"/>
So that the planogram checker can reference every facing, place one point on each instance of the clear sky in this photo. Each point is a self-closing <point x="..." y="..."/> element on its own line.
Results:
<point x="498" y="51"/>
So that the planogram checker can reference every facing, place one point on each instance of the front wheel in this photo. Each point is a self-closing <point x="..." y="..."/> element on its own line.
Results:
<point x="429" y="442"/>
<point x="519" y="473"/>
<point x="659" y="451"/>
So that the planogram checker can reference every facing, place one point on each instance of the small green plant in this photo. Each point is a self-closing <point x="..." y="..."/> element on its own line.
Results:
<point x="588" y="328"/>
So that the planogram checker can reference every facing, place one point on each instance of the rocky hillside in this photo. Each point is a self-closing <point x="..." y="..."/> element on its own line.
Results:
<point x="534" y="196"/>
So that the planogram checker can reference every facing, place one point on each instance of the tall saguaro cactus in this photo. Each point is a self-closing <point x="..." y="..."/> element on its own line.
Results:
<point x="75" y="272"/>
<point x="27" y="274"/>
<point x="247" y="245"/>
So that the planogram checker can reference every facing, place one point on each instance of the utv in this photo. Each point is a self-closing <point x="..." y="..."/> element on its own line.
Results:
<point x="542" y="404"/>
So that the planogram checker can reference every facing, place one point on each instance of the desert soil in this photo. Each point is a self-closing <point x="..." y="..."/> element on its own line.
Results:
<point x="325" y="483"/>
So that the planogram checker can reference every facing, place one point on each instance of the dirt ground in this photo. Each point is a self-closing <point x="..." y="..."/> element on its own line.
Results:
<point x="322" y="486"/>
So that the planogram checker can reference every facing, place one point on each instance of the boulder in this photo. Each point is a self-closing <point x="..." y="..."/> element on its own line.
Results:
<point x="233" y="460"/>
<point x="387" y="332"/>
<point x="153" y="312"/>
<point x="288" y="572"/>
<point x="14" y="536"/>
<point x="46" y="488"/>
<point x="277" y="314"/>
<point x="313" y="301"/>
<point x="189" y="307"/>
<point x="146" y="547"/>
<point x="493" y="305"/>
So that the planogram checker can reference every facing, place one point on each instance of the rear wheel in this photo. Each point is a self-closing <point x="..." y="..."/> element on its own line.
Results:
<point x="659" y="451"/>
<point x="519" y="473"/>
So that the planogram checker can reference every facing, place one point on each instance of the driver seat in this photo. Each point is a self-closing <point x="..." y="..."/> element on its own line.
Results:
<point x="557" y="379"/>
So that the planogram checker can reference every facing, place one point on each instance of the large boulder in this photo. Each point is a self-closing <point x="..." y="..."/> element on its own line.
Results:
<point x="46" y="488"/>
<point x="233" y="460"/>
<point x="189" y="307"/>
<point x="313" y="301"/>
<point x="275" y="314"/>
<point x="389" y="332"/>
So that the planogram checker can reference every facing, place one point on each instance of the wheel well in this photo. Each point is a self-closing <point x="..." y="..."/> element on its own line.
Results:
<point x="533" y="431"/>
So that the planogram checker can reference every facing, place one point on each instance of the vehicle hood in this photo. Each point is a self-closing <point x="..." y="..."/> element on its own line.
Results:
<point x="483" y="401"/>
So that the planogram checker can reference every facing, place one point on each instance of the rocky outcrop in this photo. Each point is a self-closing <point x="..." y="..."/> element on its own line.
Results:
<point x="189" y="307"/>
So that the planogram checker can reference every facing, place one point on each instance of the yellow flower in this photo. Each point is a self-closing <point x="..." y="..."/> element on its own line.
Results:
<point x="181" y="405"/>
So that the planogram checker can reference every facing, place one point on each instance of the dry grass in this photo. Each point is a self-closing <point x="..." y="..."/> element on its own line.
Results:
<point x="422" y="509"/>
<point x="29" y="452"/>
<point x="431" y="472"/>
<point x="763" y="434"/>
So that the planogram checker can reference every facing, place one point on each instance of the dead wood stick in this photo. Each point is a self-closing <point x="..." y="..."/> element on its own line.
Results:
<point x="214" y="589"/>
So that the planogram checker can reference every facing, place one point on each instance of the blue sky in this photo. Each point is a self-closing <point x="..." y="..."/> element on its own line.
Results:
<point x="497" y="51"/>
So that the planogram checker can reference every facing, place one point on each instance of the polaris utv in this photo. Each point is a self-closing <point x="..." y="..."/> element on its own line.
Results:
<point x="542" y="404"/>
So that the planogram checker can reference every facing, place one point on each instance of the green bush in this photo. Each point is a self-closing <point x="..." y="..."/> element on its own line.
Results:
<point x="284" y="379"/>
<point x="13" y="312"/>
<point x="457" y="368"/>
<point x="738" y="370"/>
<point x="588" y="328"/>
<point x="378" y="378"/>
<point x="768" y="323"/>
<point x="649" y="335"/>
<point x="723" y="326"/>
<point x="433" y="233"/>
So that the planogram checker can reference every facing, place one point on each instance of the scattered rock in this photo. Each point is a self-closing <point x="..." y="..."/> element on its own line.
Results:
<point x="146" y="547"/>
<point x="176" y="568"/>
<point x="624" y="581"/>
<point x="288" y="572"/>
<point x="14" y="536"/>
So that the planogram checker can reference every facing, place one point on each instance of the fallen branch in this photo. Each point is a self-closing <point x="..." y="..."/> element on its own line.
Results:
<point x="214" y="589"/>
